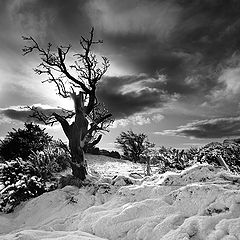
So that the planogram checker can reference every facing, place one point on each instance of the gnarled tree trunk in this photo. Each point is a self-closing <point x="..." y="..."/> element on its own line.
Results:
<point x="78" y="163"/>
<point x="76" y="133"/>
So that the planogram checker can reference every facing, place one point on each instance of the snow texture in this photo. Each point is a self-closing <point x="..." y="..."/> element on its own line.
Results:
<point x="200" y="203"/>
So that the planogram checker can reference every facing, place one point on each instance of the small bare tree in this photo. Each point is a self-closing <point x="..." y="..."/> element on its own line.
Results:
<point x="78" y="81"/>
<point x="133" y="145"/>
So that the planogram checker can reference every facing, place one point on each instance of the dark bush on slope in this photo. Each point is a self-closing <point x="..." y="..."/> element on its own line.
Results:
<point x="174" y="159"/>
<point x="97" y="151"/>
<point x="229" y="150"/>
<point x="133" y="145"/>
<point x="21" y="181"/>
<point x="22" y="142"/>
<point x="52" y="159"/>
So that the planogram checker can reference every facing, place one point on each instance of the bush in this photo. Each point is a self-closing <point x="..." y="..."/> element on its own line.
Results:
<point x="228" y="150"/>
<point x="171" y="159"/>
<point x="97" y="151"/>
<point x="133" y="145"/>
<point x="60" y="154"/>
<point x="21" y="182"/>
<point x="94" y="151"/>
<point x="115" y="154"/>
<point x="51" y="160"/>
<point x="174" y="159"/>
<point x="22" y="142"/>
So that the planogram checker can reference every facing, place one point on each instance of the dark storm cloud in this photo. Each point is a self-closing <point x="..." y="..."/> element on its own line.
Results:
<point x="213" y="128"/>
<point x="209" y="26"/>
<point x="186" y="40"/>
<point x="127" y="95"/>
<point x="56" y="21"/>
<point x="23" y="115"/>
<point x="15" y="114"/>
<point x="50" y="20"/>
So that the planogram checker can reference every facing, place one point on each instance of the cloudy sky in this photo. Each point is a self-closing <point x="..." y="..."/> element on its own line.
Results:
<point x="175" y="64"/>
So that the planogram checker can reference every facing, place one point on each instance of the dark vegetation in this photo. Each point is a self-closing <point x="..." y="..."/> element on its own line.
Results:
<point x="22" y="181"/>
<point x="136" y="148"/>
<point x="97" y="151"/>
<point x="30" y="160"/>
<point x="22" y="142"/>
<point x="133" y="145"/>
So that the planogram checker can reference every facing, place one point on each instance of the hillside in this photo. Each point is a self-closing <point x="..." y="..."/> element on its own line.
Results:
<point x="200" y="203"/>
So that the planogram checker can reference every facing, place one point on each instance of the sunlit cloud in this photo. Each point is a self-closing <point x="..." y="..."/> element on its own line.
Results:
<point x="138" y="119"/>
<point x="157" y="118"/>
<point x="128" y="95"/>
<point x="133" y="120"/>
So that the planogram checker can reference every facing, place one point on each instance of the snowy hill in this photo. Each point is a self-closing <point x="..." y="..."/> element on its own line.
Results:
<point x="200" y="203"/>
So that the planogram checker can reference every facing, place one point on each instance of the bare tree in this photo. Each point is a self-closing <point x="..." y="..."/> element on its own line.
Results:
<point x="133" y="144"/>
<point x="78" y="81"/>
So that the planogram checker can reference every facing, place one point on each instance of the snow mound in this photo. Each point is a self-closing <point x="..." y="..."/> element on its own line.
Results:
<point x="172" y="206"/>
<point x="200" y="203"/>
<point x="111" y="166"/>
<point x="63" y="235"/>
<point x="197" y="173"/>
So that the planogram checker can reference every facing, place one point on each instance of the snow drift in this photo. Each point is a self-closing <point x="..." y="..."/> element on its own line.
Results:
<point x="200" y="203"/>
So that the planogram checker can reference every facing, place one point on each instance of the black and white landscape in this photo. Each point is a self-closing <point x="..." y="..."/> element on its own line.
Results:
<point x="120" y="119"/>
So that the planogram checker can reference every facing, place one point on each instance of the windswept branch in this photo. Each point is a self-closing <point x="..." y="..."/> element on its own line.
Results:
<point x="40" y="116"/>
<point x="49" y="118"/>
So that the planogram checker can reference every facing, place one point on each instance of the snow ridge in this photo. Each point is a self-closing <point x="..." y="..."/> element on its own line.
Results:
<point x="200" y="203"/>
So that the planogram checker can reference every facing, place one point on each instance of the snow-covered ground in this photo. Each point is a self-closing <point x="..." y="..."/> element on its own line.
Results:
<point x="200" y="203"/>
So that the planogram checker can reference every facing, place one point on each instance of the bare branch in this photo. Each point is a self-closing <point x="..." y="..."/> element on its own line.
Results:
<point x="68" y="75"/>
<point x="95" y="124"/>
<point x="49" y="119"/>
<point x="64" y="123"/>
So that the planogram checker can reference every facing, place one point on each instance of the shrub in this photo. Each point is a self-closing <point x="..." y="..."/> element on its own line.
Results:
<point x="171" y="159"/>
<point x="94" y="151"/>
<point x="174" y="159"/>
<point x="51" y="160"/>
<point x="228" y="150"/>
<point x="115" y="154"/>
<point x="22" y="142"/>
<point x="21" y="182"/>
<point x="133" y="145"/>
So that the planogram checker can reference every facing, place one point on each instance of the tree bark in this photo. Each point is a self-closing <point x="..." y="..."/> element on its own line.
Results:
<point x="76" y="133"/>
<point x="78" y="163"/>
